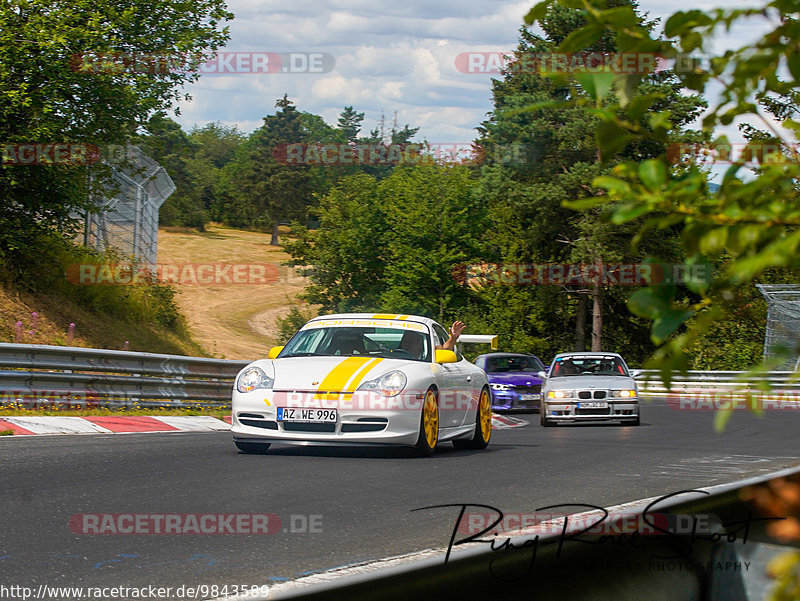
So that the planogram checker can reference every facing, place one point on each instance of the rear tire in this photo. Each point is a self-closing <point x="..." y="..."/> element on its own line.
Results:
<point x="483" y="425"/>
<point x="428" y="424"/>
<point x="255" y="448"/>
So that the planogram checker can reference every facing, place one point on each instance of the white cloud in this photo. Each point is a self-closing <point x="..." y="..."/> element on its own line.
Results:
<point x="390" y="56"/>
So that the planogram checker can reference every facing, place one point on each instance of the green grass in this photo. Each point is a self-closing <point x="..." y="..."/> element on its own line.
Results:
<point x="36" y="293"/>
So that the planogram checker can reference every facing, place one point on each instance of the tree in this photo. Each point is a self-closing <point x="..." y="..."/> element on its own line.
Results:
<point x="165" y="142"/>
<point x="555" y="159"/>
<point x="349" y="123"/>
<point x="345" y="258"/>
<point x="752" y="220"/>
<point x="391" y="245"/>
<point x="277" y="191"/>
<point x="216" y="146"/>
<point x="435" y="221"/>
<point x="46" y="97"/>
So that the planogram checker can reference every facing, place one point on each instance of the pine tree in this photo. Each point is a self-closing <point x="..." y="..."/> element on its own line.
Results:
<point x="553" y="156"/>
<point x="350" y="123"/>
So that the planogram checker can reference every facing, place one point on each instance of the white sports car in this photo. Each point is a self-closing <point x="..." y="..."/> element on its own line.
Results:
<point x="363" y="379"/>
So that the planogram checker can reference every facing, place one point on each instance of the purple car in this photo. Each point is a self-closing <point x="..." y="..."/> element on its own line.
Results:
<point x="513" y="380"/>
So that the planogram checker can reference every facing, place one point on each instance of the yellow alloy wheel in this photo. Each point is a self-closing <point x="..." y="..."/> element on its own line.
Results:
<point x="483" y="425"/>
<point x="430" y="419"/>
<point x="485" y="415"/>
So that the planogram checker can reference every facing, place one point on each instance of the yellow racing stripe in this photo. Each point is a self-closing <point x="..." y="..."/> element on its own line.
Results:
<point x="338" y="377"/>
<point x="360" y="376"/>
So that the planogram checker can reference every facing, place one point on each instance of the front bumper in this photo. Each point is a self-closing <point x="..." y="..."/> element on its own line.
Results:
<point x="506" y="400"/>
<point x="394" y="422"/>
<point x="568" y="410"/>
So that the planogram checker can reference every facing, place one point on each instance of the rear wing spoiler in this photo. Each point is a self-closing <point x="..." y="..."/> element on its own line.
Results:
<point x="480" y="339"/>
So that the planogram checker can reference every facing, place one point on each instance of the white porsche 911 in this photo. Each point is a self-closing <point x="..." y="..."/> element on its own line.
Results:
<point x="363" y="379"/>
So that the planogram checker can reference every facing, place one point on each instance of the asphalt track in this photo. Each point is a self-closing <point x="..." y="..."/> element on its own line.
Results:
<point x="365" y="496"/>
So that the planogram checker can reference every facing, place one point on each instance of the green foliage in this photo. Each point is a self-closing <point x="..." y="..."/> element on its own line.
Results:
<point x="222" y="175"/>
<point x="45" y="97"/>
<point x="349" y="123"/>
<point x="392" y="245"/>
<point x="345" y="257"/>
<point x="289" y="325"/>
<point x="557" y="119"/>
<point x="753" y="219"/>
<point x="260" y="191"/>
<point x="146" y="303"/>
<point x="434" y="220"/>
<point x="166" y="143"/>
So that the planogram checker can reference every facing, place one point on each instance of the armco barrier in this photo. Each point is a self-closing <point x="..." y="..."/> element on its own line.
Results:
<point x="32" y="375"/>
<point x="721" y="382"/>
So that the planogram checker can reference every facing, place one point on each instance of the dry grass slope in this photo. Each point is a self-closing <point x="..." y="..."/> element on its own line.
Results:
<point x="235" y="321"/>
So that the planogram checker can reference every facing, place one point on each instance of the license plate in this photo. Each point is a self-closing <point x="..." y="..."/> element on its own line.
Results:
<point x="316" y="416"/>
<point x="593" y="405"/>
<point x="528" y="397"/>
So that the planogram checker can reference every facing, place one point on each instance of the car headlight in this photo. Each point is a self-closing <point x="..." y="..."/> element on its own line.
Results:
<point x="623" y="393"/>
<point x="389" y="384"/>
<point x="500" y="386"/>
<point x="252" y="378"/>
<point x="560" y="394"/>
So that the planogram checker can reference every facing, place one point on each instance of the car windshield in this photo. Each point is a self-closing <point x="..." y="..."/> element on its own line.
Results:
<point x="388" y="342"/>
<point x="513" y="363"/>
<point x="588" y="366"/>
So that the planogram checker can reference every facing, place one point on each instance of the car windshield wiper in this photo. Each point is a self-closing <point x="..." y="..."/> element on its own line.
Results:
<point x="303" y="355"/>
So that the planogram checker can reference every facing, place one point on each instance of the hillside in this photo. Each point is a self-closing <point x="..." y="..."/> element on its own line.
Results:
<point x="230" y="320"/>
<point x="46" y="318"/>
<point x="222" y="319"/>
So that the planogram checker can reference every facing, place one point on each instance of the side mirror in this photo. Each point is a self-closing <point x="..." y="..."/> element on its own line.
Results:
<point x="274" y="352"/>
<point x="443" y="356"/>
<point x="636" y="373"/>
<point x="541" y="374"/>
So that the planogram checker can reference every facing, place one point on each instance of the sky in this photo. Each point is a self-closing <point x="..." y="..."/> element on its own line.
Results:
<point x="379" y="57"/>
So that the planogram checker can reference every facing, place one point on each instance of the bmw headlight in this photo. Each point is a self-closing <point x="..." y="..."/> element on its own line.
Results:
<point x="389" y="384"/>
<point x="252" y="378"/>
<point x="500" y="386"/>
<point x="623" y="393"/>
<point x="560" y="394"/>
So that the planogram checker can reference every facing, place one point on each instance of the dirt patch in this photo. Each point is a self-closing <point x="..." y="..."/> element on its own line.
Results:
<point x="231" y="320"/>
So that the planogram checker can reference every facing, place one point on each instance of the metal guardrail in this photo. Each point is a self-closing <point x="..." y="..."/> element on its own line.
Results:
<point x="34" y="375"/>
<point x="728" y="383"/>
